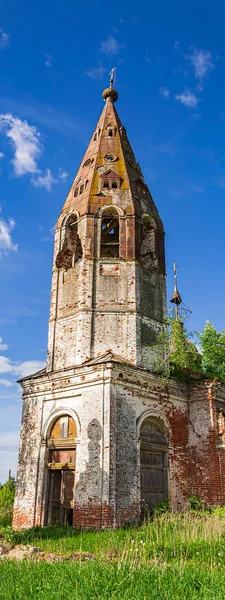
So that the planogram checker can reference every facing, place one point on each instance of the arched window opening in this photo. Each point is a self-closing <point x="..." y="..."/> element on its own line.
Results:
<point x="110" y="133"/>
<point x="114" y="184"/>
<point x="95" y="137"/>
<point x="153" y="464"/>
<point x="76" y="191"/>
<point x="110" y="234"/>
<point x="81" y="188"/>
<point x="61" y="460"/>
<point x="63" y="428"/>
<point x="106" y="183"/>
<point x="71" y="250"/>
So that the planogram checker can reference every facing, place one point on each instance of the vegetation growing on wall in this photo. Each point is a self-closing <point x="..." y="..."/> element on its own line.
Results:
<point x="178" y="355"/>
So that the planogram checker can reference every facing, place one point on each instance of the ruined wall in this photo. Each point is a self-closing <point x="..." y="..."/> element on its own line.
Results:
<point x="26" y="511"/>
<point x="109" y="402"/>
<point x="207" y="448"/>
<point x="140" y="394"/>
<point x="86" y="397"/>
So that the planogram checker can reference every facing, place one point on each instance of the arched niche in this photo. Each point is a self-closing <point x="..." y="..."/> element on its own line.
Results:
<point x="153" y="463"/>
<point x="71" y="250"/>
<point x="110" y="236"/>
<point x="61" y="464"/>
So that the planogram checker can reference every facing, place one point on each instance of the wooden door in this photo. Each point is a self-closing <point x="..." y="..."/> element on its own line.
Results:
<point x="153" y="464"/>
<point x="61" y="491"/>
<point x="67" y="496"/>
<point x="54" y="504"/>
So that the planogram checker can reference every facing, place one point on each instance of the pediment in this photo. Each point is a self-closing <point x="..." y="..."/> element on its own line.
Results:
<point x="110" y="173"/>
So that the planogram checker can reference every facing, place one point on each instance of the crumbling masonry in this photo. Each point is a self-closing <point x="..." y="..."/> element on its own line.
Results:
<point x="102" y="437"/>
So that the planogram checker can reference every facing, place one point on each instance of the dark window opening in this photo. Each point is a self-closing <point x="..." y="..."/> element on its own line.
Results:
<point x="106" y="184"/>
<point x="81" y="189"/>
<point x="71" y="250"/>
<point x="76" y="192"/>
<point x="110" y="235"/>
<point x="110" y="133"/>
<point x="95" y="137"/>
<point x="114" y="184"/>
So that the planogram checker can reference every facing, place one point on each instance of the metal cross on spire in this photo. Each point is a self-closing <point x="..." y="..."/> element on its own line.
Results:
<point x="182" y="311"/>
<point x="112" y="76"/>
<point x="176" y="298"/>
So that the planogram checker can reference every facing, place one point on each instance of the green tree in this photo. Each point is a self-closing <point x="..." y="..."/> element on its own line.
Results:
<point x="212" y="344"/>
<point x="7" y="493"/>
<point x="176" y="353"/>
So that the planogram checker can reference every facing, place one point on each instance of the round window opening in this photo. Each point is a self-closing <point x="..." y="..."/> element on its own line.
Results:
<point x="110" y="157"/>
<point x="87" y="162"/>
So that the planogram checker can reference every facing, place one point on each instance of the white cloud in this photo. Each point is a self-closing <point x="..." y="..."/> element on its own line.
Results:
<point x="1" y="155"/>
<point x="22" y="369"/>
<point x="6" y="383"/>
<point x="110" y="46"/>
<point x="188" y="99"/>
<point x="3" y="346"/>
<point x="5" y="365"/>
<point x="197" y="189"/>
<point x="6" y="243"/>
<point x="29" y="367"/>
<point x="164" y="92"/>
<point x="46" y="181"/>
<point x="9" y="441"/>
<point x="25" y="140"/>
<point x="201" y="62"/>
<point x="63" y="174"/>
<point x="4" y="39"/>
<point x="97" y="73"/>
<point x="48" y="61"/>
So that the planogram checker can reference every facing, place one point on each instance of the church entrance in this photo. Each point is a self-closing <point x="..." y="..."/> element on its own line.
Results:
<point x="61" y="449"/>
<point x="153" y="464"/>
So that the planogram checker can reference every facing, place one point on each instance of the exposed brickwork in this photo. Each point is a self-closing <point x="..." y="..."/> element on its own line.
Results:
<point x="105" y="314"/>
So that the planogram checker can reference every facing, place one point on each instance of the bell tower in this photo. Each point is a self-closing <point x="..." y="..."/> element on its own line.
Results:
<point x="80" y="461"/>
<point x="108" y="283"/>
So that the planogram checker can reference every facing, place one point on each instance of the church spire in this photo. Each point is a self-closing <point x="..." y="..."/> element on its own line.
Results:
<point x="108" y="290"/>
<point x="109" y="150"/>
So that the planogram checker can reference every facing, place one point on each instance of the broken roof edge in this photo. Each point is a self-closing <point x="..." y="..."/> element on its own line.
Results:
<point x="33" y="375"/>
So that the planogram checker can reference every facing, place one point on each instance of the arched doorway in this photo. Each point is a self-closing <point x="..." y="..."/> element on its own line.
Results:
<point x="153" y="463"/>
<point x="61" y="460"/>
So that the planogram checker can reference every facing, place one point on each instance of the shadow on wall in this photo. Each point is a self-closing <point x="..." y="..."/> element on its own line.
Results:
<point x="92" y="486"/>
<point x="113" y="499"/>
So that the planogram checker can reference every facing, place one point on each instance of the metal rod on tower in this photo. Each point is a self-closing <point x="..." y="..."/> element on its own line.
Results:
<point x="176" y="298"/>
<point x="112" y="77"/>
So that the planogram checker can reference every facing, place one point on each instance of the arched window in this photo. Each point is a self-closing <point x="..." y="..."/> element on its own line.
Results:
<point x="76" y="191"/>
<point x="71" y="250"/>
<point x="110" y="233"/>
<point x="95" y="137"/>
<point x="153" y="463"/>
<point x="61" y="460"/>
<point x="81" y="189"/>
<point x="110" y="133"/>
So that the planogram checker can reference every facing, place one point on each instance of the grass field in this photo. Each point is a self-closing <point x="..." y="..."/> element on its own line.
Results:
<point x="171" y="557"/>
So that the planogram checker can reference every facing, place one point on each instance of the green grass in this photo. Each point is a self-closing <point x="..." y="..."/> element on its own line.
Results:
<point x="171" y="557"/>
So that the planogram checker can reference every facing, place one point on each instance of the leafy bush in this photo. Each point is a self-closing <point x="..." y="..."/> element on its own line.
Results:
<point x="195" y="502"/>
<point x="212" y="344"/>
<point x="7" y="493"/>
<point x="176" y="354"/>
<point x="162" y="507"/>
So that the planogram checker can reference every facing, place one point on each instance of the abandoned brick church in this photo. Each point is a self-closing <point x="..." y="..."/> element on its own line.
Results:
<point x="102" y="435"/>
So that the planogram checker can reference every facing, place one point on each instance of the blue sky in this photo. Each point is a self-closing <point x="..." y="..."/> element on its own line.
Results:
<point x="55" y="59"/>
